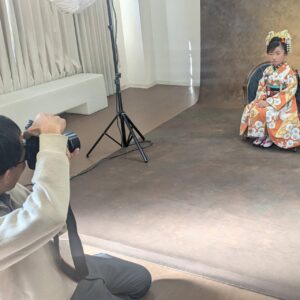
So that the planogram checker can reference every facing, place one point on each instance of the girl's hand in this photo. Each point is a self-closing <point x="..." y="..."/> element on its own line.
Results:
<point x="262" y="104"/>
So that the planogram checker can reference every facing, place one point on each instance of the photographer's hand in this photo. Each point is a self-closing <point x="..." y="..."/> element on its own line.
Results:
<point x="47" y="123"/>
<point x="73" y="154"/>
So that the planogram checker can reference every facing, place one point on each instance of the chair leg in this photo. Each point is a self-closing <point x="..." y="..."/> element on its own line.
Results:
<point x="244" y="137"/>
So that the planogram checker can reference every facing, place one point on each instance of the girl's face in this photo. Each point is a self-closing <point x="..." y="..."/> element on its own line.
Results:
<point x="277" y="56"/>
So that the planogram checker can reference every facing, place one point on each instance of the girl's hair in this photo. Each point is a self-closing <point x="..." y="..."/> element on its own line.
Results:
<point x="276" y="42"/>
<point x="10" y="144"/>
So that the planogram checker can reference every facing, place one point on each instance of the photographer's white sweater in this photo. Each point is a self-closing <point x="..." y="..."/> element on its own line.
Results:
<point x="27" y="267"/>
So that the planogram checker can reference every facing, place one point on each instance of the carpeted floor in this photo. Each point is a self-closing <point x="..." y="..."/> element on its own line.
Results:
<point x="206" y="202"/>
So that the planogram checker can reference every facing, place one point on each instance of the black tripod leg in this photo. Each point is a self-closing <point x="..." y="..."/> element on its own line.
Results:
<point x="129" y="139"/>
<point x="101" y="136"/>
<point x="144" y="156"/>
<point x="135" y="128"/>
<point x="123" y="131"/>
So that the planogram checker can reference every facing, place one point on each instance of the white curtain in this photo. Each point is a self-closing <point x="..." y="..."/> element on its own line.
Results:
<point x="94" y="42"/>
<point x="40" y="44"/>
<point x="37" y="44"/>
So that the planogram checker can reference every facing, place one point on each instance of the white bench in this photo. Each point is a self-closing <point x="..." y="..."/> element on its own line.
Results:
<point x="81" y="93"/>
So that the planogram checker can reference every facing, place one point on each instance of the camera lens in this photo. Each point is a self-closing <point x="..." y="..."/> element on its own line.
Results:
<point x="73" y="140"/>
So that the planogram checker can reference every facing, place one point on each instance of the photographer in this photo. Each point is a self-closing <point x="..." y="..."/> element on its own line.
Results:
<point x="29" y="221"/>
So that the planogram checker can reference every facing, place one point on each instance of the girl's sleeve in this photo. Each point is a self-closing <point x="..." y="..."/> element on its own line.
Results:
<point x="261" y="93"/>
<point x="282" y="98"/>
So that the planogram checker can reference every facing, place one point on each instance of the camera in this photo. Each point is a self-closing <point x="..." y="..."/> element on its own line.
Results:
<point x="32" y="145"/>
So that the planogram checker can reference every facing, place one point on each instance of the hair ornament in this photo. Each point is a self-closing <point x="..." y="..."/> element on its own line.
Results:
<point x="283" y="35"/>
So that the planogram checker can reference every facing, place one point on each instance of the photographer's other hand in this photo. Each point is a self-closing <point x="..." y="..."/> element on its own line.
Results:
<point x="73" y="154"/>
<point x="47" y="123"/>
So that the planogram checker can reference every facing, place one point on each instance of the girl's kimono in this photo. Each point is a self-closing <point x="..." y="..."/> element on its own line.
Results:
<point x="279" y="120"/>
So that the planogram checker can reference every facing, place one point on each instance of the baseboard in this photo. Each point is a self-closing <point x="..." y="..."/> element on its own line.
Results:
<point x="147" y="86"/>
<point x="180" y="83"/>
<point x="139" y="86"/>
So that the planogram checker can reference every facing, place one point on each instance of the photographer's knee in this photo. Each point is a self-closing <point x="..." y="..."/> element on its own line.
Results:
<point x="144" y="283"/>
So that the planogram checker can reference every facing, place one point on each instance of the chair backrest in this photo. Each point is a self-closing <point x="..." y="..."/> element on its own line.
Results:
<point x="297" y="95"/>
<point x="254" y="77"/>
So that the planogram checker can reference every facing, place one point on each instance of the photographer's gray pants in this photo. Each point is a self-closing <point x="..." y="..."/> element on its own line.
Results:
<point x="111" y="278"/>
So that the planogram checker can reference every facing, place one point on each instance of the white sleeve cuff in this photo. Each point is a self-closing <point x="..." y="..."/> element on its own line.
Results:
<point x="270" y="101"/>
<point x="53" y="142"/>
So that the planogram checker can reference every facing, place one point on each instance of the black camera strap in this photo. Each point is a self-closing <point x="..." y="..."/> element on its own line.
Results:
<point x="81" y="270"/>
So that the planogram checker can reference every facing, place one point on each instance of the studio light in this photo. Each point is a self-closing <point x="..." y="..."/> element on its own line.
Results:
<point x="128" y="130"/>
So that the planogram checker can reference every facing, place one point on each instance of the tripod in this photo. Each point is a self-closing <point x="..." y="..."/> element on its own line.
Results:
<point x="120" y="116"/>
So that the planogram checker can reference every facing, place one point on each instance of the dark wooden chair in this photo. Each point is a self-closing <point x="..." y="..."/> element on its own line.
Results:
<point x="251" y="83"/>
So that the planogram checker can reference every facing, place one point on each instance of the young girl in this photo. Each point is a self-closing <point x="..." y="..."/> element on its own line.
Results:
<point x="273" y="116"/>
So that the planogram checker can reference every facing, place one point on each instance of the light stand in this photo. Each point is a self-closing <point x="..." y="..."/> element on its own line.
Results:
<point x="120" y="115"/>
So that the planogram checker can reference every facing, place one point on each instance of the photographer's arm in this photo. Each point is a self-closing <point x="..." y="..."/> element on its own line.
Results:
<point x="44" y="212"/>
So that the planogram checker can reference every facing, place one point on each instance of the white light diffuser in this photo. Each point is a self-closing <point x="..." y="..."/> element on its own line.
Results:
<point x="72" y="6"/>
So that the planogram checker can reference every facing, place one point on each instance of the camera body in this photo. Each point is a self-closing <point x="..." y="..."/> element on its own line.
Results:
<point x="32" y="145"/>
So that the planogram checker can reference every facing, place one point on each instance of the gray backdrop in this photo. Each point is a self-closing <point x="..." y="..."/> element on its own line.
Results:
<point x="233" y="41"/>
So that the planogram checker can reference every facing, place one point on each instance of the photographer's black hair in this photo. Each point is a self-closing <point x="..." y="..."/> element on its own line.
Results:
<point x="274" y="43"/>
<point x="10" y="144"/>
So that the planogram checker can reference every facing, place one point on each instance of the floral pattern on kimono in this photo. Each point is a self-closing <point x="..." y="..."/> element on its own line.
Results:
<point x="279" y="120"/>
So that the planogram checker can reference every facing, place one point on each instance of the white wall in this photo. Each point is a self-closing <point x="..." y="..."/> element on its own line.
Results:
<point x="176" y="34"/>
<point x="148" y="41"/>
<point x="161" y="41"/>
<point x="136" y="69"/>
